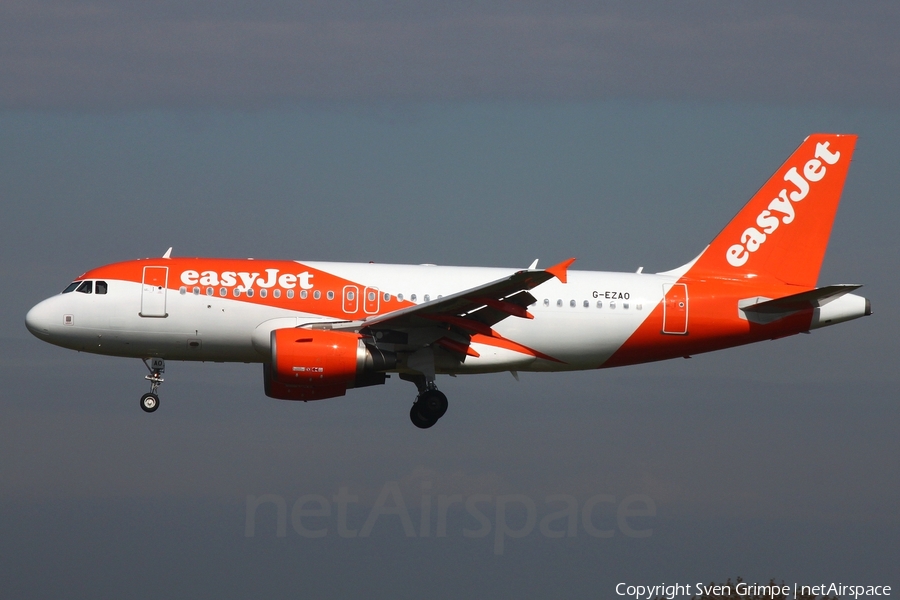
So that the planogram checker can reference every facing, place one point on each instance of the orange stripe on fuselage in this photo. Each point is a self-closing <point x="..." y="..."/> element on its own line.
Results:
<point x="713" y="323"/>
<point x="268" y="275"/>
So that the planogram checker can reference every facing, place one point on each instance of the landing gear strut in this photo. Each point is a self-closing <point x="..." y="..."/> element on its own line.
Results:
<point x="430" y="404"/>
<point x="156" y="366"/>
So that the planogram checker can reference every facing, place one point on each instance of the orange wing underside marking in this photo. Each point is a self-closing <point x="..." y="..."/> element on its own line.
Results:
<point x="502" y="342"/>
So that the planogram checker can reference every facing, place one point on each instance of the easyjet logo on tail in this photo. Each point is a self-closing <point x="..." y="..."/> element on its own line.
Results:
<point x="781" y="209"/>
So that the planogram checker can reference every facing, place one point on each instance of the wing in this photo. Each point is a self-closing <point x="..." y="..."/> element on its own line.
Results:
<point x="451" y="321"/>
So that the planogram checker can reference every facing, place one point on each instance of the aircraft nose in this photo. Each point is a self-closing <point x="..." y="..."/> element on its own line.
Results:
<point x="38" y="319"/>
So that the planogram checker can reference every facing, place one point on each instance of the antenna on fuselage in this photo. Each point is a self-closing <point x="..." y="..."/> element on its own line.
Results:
<point x="168" y="253"/>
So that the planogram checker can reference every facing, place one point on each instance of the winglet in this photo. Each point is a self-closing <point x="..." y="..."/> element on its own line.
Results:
<point x="168" y="253"/>
<point x="560" y="271"/>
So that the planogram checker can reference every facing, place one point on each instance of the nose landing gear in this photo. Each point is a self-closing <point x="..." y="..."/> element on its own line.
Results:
<point x="156" y="366"/>
<point x="149" y="402"/>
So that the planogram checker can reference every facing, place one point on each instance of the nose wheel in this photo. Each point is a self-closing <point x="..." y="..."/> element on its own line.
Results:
<point x="156" y="366"/>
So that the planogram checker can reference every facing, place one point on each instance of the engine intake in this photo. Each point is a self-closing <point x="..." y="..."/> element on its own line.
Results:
<point x="313" y="364"/>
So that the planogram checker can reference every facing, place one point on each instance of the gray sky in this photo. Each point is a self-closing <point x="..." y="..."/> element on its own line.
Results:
<point x="623" y="134"/>
<point x="130" y="55"/>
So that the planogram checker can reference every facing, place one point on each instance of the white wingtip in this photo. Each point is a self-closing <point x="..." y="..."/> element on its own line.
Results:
<point x="533" y="265"/>
<point x="168" y="253"/>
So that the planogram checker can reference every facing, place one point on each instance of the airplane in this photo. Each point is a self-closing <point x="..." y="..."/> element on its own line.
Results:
<point x="321" y="328"/>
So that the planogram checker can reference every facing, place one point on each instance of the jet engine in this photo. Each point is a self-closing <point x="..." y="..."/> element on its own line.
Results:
<point x="313" y="364"/>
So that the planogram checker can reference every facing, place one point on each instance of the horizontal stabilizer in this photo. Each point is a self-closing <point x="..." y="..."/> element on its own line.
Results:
<point x="802" y="301"/>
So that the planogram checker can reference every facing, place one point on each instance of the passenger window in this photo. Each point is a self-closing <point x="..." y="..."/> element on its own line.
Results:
<point x="559" y="303"/>
<point x="86" y="287"/>
<point x="290" y="293"/>
<point x="277" y="293"/>
<point x="263" y="293"/>
<point x="100" y="287"/>
<point x="303" y="294"/>
<point x="412" y="298"/>
<point x="317" y="294"/>
<point x="71" y="287"/>
<point x="572" y="303"/>
<point x="586" y="303"/>
<point x="330" y="295"/>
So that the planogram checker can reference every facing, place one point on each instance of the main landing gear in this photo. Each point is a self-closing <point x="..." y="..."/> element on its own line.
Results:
<point x="430" y="404"/>
<point x="156" y="366"/>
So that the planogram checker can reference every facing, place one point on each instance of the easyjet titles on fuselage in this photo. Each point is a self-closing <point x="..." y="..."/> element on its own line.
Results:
<point x="272" y="278"/>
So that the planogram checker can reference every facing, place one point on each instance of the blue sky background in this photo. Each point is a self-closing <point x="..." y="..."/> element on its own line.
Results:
<point x="625" y="135"/>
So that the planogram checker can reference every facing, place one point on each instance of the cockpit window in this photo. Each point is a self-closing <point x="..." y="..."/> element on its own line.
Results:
<point x="86" y="287"/>
<point x="71" y="287"/>
<point x="100" y="287"/>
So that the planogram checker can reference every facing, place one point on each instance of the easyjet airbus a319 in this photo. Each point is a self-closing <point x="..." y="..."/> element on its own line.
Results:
<point x="321" y="328"/>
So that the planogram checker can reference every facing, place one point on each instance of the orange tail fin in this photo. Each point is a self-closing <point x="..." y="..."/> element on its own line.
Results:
<point x="782" y="232"/>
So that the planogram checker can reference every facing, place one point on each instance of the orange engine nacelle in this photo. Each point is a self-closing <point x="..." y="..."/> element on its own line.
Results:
<point x="313" y="364"/>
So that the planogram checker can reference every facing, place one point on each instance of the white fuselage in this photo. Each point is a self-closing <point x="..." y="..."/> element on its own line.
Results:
<point x="580" y="323"/>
